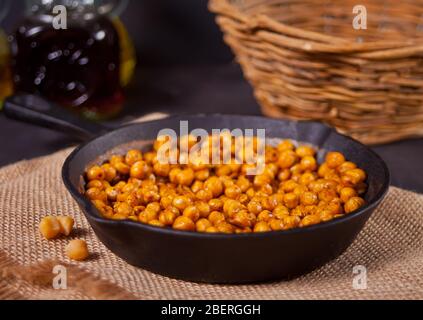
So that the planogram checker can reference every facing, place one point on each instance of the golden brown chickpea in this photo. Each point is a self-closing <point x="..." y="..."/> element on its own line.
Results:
<point x="289" y="185"/>
<point x="265" y="215"/>
<point x="325" y="215"/>
<point x="223" y="170"/>
<point x="353" y="204"/>
<point x="202" y="225"/>
<point x="327" y="195"/>
<point x="290" y="200"/>
<point x="290" y="222"/>
<point x="225" y="227"/>
<point x="346" y="193"/>
<point x="334" y="159"/>
<point x="308" y="163"/>
<point x="184" y="223"/>
<point x="347" y="165"/>
<point x="192" y="212"/>
<point x="66" y="224"/>
<point x="305" y="151"/>
<point x="284" y="175"/>
<point x="202" y="175"/>
<point x="139" y="170"/>
<point x="280" y="212"/>
<point x="77" y="250"/>
<point x="204" y="195"/>
<point x="95" y="184"/>
<point x="353" y="177"/>
<point x="161" y="170"/>
<point x="96" y="194"/>
<point x="156" y="223"/>
<point x="262" y="226"/>
<point x="299" y="190"/>
<point x="215" y="217"/>
<point x="95" y="173"/>
<point x="287" y="159"/>
<point x="273" y="201"/>
<point x="116" y="159"/>
<point x="261" y="180"/>
<point x="109" y="172"/>
<point x="196" y="186"/>
<point x="203" y="208"/>
<point x="276" y="224"/>
<point x="167" y="217"/>
<point x="123" y="209"/>
<point x="285" y="145"/>
<point x="133" y="156"/>
<point x="309" y="220"/>
<point x="50" y="227"/>
<point x="230" y="207"/>
<point x="181" y="202"/>
<point x="122" y="168"/>
<point x="309" y="198"/>
<point x="212" y="230"/>
<point x="215" y="204"/>
<point x="233" y="192"/>
<point x="112" y="193"/>
<point x="241" y="219"/>
<point x="185" y="177"/>
<point x="215" y="185"/>
<point x="306" y="178"/>
<point x="323" y="170"/>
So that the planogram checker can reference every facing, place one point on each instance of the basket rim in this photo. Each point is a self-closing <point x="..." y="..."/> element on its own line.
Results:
<point x="308" y="40"/>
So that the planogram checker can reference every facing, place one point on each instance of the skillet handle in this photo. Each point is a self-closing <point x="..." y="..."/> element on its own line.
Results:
<point x="35" y="110"/>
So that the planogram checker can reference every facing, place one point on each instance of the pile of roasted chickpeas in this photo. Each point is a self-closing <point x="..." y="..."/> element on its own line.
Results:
<point x="292" y="191"/>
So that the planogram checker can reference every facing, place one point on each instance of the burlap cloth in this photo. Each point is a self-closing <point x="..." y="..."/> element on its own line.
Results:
<point x="390" y="247"/>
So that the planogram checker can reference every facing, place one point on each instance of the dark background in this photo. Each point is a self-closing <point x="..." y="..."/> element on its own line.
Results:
<point x="183" y="67"/>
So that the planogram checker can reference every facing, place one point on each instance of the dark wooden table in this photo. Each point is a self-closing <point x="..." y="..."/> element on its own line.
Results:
<point x="193" y="89"/>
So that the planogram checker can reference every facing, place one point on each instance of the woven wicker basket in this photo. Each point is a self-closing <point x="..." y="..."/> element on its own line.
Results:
<point x="306" y="61"/>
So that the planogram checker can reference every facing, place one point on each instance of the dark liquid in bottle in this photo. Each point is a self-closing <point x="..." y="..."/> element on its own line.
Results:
<point x="77" y="67"/>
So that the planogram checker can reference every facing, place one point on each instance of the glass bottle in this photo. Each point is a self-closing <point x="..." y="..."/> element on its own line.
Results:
<point x="5" y="73"/>
<point x="77" y="62"/>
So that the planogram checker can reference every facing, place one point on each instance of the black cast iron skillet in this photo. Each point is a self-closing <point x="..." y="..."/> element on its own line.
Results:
<point x="213" y="258"/>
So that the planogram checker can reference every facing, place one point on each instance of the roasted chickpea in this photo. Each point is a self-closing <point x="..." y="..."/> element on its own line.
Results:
<point x="185" y="177"/>
<point x="50" y="227"/>
<point x="280" y="212"/>
<point x="184" y="223"/>
<point x="334" y="159"/>
<point x="305" y="151"/>
<point x="202" y="175"/>
<point x="353" y="204"/>
<point x="77" y="250"/>
<point x="215" y="204"/>
<point x="233" y="192"/>
<point x="290" y="200"/>
<point x="133" y="156"/>
<point x="95" y="173"/>
<point x="66" y="224"/>
<point x="262" y="226"/>
<point x="215" y="217"/>
<point x="309" y="220"/>
<point x="265" y="215"/>
<point x="161" y="170"/>
<point x="353" y="177"/>
<point x="276" y="224"/>
<point x="204" y="195"/>
<point x="287" y="159"/>
<point x="96" y="194"/>
<point x="215" y="185"/>
<point x="285" y="145"/>
<point x="308" y="163"/>
<point x="309" y="198"/>
<point x="203" y="208"/>
<point x="202" y="225"/>
<point x="167" y="217"/>
<point x="346" y="193"/>
<point x="192" y="212"/>
<point x="109" y="172"/>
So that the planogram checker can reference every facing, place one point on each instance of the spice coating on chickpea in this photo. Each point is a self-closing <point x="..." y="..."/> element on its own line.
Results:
<point x="293" y="190"/>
